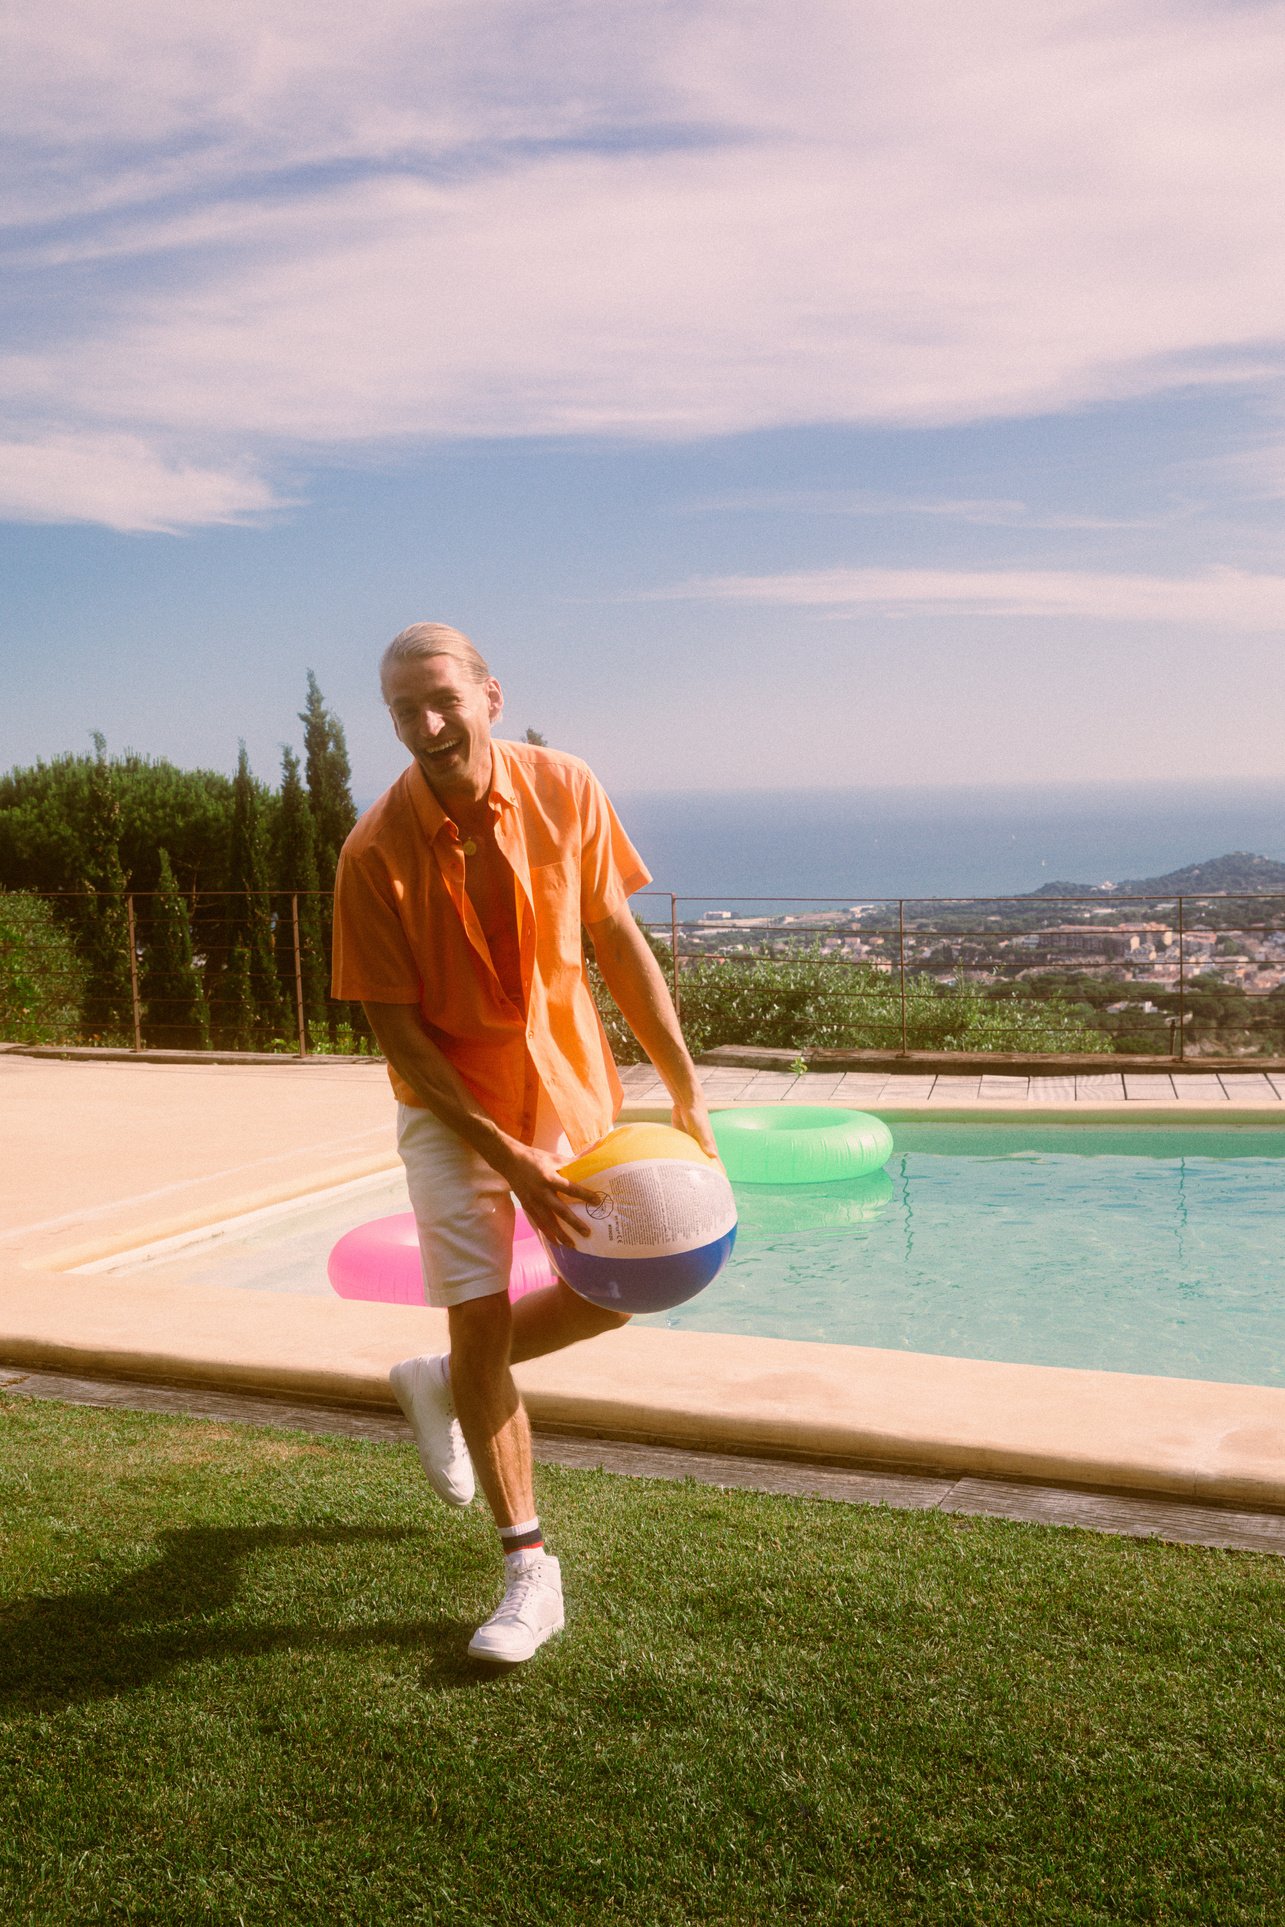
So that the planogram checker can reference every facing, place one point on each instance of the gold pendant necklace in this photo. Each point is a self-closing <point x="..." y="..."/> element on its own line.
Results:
<point x="469" y="848"/>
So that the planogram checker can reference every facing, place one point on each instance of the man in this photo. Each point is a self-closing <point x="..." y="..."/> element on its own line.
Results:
<point x="459" y="906"/>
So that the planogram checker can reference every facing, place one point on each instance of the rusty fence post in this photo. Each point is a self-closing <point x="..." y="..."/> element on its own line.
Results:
<point x="133" y="974"/>
<point x="298" y="974"/>
<point x="1182" y="992"/>
<point x="673" y="954"/>
<point x="901" y="965"/>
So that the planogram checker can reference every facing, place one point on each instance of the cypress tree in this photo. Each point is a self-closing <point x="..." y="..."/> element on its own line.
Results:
<point x="329" y="778"/>
<point x="105" y="921"/>
<point x="178" y="1017"/>
<point x="295" y="867"/>
<point x="329" y="775"/>
<point x="238" y="1018"/>
<point x="249" y="936"/>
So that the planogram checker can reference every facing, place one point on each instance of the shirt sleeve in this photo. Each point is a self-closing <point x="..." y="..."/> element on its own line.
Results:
<point x="372" y="958"/>
<point x="610" y="867"/>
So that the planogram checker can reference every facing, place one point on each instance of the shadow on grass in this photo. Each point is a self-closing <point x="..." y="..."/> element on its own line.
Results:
<point x="58" y="1650"/>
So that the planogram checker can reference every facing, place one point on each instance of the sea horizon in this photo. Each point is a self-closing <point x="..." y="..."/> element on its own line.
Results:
<point x="745" y="845"/>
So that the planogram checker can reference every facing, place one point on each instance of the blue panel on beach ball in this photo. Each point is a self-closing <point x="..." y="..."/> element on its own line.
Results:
<point x="641" y="1284"/>
<point x="659" y="1227"/>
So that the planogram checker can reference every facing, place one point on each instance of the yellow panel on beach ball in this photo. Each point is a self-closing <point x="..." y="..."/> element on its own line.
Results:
<point x="631" y="1142"/>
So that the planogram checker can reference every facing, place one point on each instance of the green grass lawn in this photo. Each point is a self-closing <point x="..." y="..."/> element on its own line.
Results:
<point x="234" y="1689"/>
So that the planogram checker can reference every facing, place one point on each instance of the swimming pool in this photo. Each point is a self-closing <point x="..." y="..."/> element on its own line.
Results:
<point x="1142" y="1248"/>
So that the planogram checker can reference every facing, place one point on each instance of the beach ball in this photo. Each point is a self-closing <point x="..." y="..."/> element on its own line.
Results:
<point x="661" y="1228"/>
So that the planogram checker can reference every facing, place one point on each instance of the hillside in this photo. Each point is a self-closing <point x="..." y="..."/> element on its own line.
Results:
<point x="1240" y="870"/>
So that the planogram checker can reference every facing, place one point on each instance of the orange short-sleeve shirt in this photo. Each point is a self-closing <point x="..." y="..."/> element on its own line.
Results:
<point x="406" y="933"/>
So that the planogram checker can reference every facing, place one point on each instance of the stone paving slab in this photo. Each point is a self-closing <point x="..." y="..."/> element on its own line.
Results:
<point x="814" y="1090"/>
<point x="1200" y="1090"/>
<point x="864" y="1090"/>
<point x="1140" y="1088"/>
<point x="1051" y="1090"/>
<point x="1093" y="1089"/>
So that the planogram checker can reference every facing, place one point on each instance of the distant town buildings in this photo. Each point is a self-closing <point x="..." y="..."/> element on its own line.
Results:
<point x="983" y="950"/>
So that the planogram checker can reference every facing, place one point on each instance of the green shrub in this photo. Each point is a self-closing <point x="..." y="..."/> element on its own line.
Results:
<point x="346" y="1041"/>
<point x="42" y="980"/>
<point x="808" y="1001"/>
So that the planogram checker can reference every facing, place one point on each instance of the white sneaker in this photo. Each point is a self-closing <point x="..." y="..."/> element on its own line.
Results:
<point x="529" y="1613"/>
<point x="422" y="1387"/>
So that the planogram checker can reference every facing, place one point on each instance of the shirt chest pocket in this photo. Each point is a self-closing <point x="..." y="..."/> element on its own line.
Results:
<point x="555" y="898"/>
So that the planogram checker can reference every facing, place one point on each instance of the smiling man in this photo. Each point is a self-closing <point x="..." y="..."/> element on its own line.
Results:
<point x="460" y="906"/>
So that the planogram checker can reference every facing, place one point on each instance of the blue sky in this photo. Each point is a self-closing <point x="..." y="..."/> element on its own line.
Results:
<point x="853" y="394"/>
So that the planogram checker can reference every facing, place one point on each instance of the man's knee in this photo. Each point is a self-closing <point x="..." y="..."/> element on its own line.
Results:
<point x="480" y="1328"/>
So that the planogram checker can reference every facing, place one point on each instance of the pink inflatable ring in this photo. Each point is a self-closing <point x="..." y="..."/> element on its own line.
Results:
<point x="380" y="1260"/>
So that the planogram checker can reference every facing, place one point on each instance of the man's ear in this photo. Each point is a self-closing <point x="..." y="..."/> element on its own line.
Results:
<point x="495" y="699"/>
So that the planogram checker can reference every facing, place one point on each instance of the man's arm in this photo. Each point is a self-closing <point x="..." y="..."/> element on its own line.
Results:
<point x="532" y="1175"/>
<point x="634" y="979"/>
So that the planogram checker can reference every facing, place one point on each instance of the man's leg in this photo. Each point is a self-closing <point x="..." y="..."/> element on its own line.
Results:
<point x="495" y="1426"/>
<point x="492" y="1415"/>
<point x="546" y="1321"/>
<point x="488" y="1335"/>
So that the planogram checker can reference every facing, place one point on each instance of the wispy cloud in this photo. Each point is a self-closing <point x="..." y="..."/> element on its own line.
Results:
<point x="123" y="483"/>
<point x="551" y="217"/>
<point x="1220" y="598"/>
<point x="975" y="511"/>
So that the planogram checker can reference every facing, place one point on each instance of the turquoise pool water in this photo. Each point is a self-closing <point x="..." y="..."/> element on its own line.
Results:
<point x="1142" y="1249"/>
<point x="1126" y="1249"/>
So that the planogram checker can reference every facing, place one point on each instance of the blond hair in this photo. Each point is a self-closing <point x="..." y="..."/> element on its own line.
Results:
<point x="424" y="639"/>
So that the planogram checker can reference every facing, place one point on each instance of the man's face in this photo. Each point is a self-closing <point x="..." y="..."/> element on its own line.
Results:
<point x="444" y="719"/>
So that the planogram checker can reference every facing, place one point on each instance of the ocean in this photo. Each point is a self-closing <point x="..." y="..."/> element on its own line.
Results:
<point x="734" y="847"/>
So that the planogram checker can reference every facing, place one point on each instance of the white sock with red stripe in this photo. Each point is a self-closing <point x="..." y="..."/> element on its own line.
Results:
<point x="521" y="1543"/>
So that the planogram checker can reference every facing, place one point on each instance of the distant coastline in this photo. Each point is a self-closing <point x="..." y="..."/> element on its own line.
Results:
<point x="747" y="845"/>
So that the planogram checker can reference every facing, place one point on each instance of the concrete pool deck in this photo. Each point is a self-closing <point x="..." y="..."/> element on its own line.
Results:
<point x="99" y="1158"/>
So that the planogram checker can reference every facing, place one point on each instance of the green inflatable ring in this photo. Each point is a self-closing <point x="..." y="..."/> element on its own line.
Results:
<point x="766" y="1211"/>
<point x="799" y="1143"/>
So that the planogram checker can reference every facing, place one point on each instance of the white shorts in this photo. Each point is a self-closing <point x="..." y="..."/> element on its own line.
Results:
<point x="463" y="1208"/>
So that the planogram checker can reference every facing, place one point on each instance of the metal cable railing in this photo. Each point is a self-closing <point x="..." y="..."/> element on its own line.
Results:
<point x="1193" y="944"/>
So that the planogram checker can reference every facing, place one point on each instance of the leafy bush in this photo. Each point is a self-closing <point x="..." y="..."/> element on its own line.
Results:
<point x="808" y="1001"/>
<point x="42" y="980"/>
<point x="346" y="1041"/>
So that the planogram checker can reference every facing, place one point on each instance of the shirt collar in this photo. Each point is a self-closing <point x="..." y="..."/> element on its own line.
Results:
<point x="430" y="812"/>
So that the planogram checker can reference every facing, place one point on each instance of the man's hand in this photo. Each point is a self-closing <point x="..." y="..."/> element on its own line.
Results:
<point x="542" y="1191"/>
<point x="692" y="1116"/>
